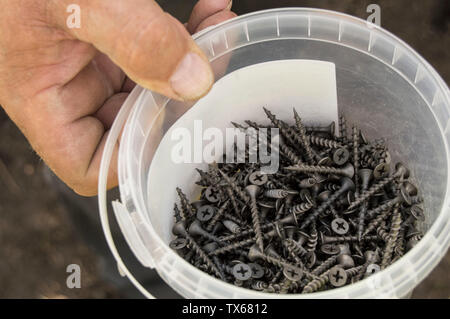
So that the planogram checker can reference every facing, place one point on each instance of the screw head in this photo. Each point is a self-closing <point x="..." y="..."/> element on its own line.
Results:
<point x="205" y="213"/>
<point x="212" y="195"/>
<point x="417" y="212"/>
<point x="178" y="243"/>
<point x="372" y="269"/>
<point x="292" y="273"/>
<point x="341" y="156"/>
<point x="381" y="170"/>
<point x="329" y="249"/>
<point x="410" y="188"/>
<point x="258" y="178"/>
<point x="257" y="270"/>
<point x="340" y="226"/>
<point x="242" y="272"/>
<point x="338" y="276"/>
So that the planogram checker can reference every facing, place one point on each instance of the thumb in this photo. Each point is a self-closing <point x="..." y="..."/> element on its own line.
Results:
<point x="152" y="48"/>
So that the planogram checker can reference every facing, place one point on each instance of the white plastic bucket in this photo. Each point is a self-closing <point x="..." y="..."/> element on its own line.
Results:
<point x="382" y="84"/>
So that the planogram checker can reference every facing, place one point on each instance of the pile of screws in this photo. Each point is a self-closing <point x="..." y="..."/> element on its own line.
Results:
<point x="335" y="213"/>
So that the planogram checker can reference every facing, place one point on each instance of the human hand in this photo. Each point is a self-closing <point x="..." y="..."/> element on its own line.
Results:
<point x="63" y="87"/>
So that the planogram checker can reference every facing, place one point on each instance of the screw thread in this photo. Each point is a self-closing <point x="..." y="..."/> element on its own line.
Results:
<point x="188" y="209"/>
<point x="236" y="188"/>
<point x="376" y="221"/>
<point x="370" y="192"/>
<point x="386" y="206"/>
<point x="256" y="223"/>
<point x="276" y="193"/>
<point x="393" y="235"/>
<point x="300" y="208"/>
<point x="343" y="129"/>
<point x="317" y="283"/>
<point x="305" y="142"/>
<point x="324" y="142"/>
<point x="311" y="243"/>
<point x="203" y="256"/>
<point x="382" y="233"/>
<point x="317" y="169"/>
<point x="325" y="265"/>
<point x="217" y="216"/>
<point x="315" y="213"/>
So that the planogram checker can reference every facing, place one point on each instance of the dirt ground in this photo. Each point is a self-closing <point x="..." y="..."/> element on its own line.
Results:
<point x="38" y="239"/>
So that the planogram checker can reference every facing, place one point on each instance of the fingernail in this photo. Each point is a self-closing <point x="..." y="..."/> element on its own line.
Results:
<point x="230" y="5"/>
<point x="192" y="78"/>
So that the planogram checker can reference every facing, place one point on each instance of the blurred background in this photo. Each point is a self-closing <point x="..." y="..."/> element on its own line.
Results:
<point x="44" y="227"/>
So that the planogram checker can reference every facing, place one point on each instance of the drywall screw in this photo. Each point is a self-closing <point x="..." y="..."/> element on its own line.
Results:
<point x="242" y="272"/>
<point x="212" y="194"/>
<point x="257" y="270"/>
<point x="401" y="171"/>
<point x="255" y="253"/>
<point x="323" y="142"/>
<point x="179" y="229"/>
<point x="236" y="188"/>
<point x="337" y="276"/>
<point x="346" y="185"/>
<point x="188" y="209"/>
<point x="302" y="134"/>
<point x="365" y="175"/>
<point x="208" y="248"/>
<point x="311" y="243"/>
<point x="347" y="170"/>
<point x="342" y="239"/>
<point x="393" y="235"/>
<point x="316" y="284"/>
<point x="329" y="129"/>
<point x="289" y="153"/>
<point x="218" y="215"/>
<point x="402" y="197"/>
<point x="343" y="129"/>
<point x="233" y="246"/>
<point x="284" y="129"/>
<point x="232" y="198"/>
<point x="252" y="191"/>
<point x="327" y="264"/>
<point x="330" y="249"/>
<point x="340" y="226"/>
<point x="372" y="269"/>
<point x="231" y="226"/>
<point x="370" y="258"/>
<point x="341" y="156"/>
<point x="179" y="215"/>
<point x="301" y="208"/>
<point x="205" y="213"/>
<point x="356" y="157"/>
<point x="382" y="233"/>
<point x="195" y="229"/>
<point x="258" y="178"/>
<point x="278" y="193"/>
<point x="259" y="285"/>
<point x="376" y="221"/>
<point x="381" y="170"/>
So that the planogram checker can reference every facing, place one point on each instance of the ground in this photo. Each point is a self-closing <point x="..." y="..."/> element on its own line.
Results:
<point x="37" y="238"/>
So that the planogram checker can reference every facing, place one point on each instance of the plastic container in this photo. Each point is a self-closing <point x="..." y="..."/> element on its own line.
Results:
<point x="382" y="84"/>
